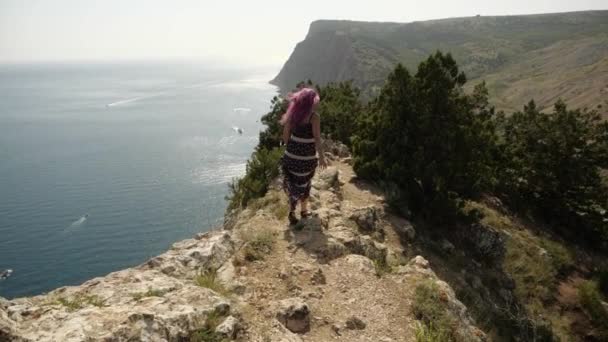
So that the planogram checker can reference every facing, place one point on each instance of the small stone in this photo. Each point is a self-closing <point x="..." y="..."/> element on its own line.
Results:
<point x="419" y="261"/>
<point x="222" y="308"/>
<point x="318" y="278"/>
<point x="228" y="328"/>
<point x="366" y="218"/>
<point x="294" y="314"/>
<point x="355" y="323"/>
<point x="336" y="328"/>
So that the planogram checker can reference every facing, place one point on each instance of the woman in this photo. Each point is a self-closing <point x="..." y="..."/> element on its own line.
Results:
<point x="302" y="135"/>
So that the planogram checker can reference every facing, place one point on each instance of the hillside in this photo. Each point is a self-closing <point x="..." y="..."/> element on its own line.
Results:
<point x="521" y="57"/>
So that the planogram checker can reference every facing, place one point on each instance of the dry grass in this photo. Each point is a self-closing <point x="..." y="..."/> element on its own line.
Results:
<point x="591" y="301"/>
<point x="258" y="244"/>
<point x="431" y="309"/>
<point x="150" y="293"/>
<point x="208" y="279"/>
<point x="534" y="263"/>
<point x="274" y="201"/>
<point x="207" y="333"/>
<point x="79" y="301"/>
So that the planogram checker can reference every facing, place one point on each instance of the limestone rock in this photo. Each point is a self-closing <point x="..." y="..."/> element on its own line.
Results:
<point x="366" y="218"/>
<point x="355" y="323"/>
<point x="294" y="314"/>
<point x="417" y="266"/>
<point x="466" y="327"/>
<point x="327" y="179"/>
<point x="335" y="148"/>
<point x="156" y="301"/>
<point x="228" y="328"/>
<point x="360" y="263"/>
<point x="186" y="258"/>
<point x="8" y="327"/>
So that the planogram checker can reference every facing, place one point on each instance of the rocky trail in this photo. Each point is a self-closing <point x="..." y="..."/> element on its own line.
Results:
<point x="342" y="275"/>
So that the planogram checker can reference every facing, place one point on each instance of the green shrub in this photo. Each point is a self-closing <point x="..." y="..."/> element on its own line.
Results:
<point x="561" y="257"/>
<point x="425" y="135"/>
<point x="552" y="163"/>
<point x="262" y="169"/>
<point x="339" y="109"/>
<point x="431" y="309"/>
<point x="428" y="333"/>
<point x="591" y="301"/>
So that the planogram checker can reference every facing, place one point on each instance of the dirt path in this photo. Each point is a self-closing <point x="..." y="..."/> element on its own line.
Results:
<point x="336" y="290"/>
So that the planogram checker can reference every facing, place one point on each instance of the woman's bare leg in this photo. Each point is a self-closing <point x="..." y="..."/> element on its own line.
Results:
<point x="304" y="204"/>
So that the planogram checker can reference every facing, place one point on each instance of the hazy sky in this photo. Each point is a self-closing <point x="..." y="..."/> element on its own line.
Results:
<point x="261" y="32"/>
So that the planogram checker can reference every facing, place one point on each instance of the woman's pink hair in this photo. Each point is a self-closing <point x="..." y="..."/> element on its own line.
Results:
<point x="300" y="106"/>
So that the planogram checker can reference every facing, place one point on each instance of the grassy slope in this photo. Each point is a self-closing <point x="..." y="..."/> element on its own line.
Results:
<point x="540" y="56"/>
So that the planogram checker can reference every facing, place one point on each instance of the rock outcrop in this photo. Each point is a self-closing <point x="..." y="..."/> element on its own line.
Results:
<point x="342" y="274"/>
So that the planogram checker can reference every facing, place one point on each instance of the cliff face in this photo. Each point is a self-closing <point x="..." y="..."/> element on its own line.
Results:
<point x="544" y="57"/>
<point x="347" y="273"/>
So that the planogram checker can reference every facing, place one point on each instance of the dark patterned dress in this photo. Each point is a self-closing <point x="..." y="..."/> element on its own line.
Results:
<point x="299" y="163"/>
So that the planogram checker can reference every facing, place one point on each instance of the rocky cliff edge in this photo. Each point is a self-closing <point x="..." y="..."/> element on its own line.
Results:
<point x="344" y="274"/>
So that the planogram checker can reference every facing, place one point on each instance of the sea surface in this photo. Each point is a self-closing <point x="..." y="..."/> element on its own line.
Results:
<point x="105" y="165"/>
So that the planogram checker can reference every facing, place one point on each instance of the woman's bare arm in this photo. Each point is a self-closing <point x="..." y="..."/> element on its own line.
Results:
<point x="316" y="132"/>
<point x="286" y="133"/>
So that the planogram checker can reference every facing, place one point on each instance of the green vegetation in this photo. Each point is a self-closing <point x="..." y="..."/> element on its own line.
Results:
<point x="437" y="148"/>
<point x="340" y="107"/>
<point x="79" y="301"/>
<point x="431" y="309"/>
<point x="262" y="168"/>
<point x="552" y="162"/>
<point x="426" y="136"/>
<point x="428" y="333"/>
<point x="275" y="201"/>
<point x="208" y="279"/>
<point x="382" y="267"/>
<point x="591" y="301"/>
<point x="207" y="333"/>
<point x="258" y="244"/>
<point x="561" y="258"/>
<point x="535" y="264"/>
<point x="150" y="293"/>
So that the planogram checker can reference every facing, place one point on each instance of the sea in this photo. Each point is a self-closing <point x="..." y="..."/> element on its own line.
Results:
<point x="105" y="165"/>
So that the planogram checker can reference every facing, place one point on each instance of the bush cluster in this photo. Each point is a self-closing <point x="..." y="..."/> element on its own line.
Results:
<point x="432" y="146"/>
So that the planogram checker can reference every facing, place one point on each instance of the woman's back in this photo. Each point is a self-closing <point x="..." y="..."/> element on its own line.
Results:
<point x="304" y="129"/>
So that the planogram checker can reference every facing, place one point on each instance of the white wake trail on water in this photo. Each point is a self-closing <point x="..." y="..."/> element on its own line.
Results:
<point x="79" y="222"/>
<point x="165" y="92"/>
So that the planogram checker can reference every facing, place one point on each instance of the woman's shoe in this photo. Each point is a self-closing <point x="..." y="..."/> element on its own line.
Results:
<point x="292" y="218"/>
<point x="305" y="214"/>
